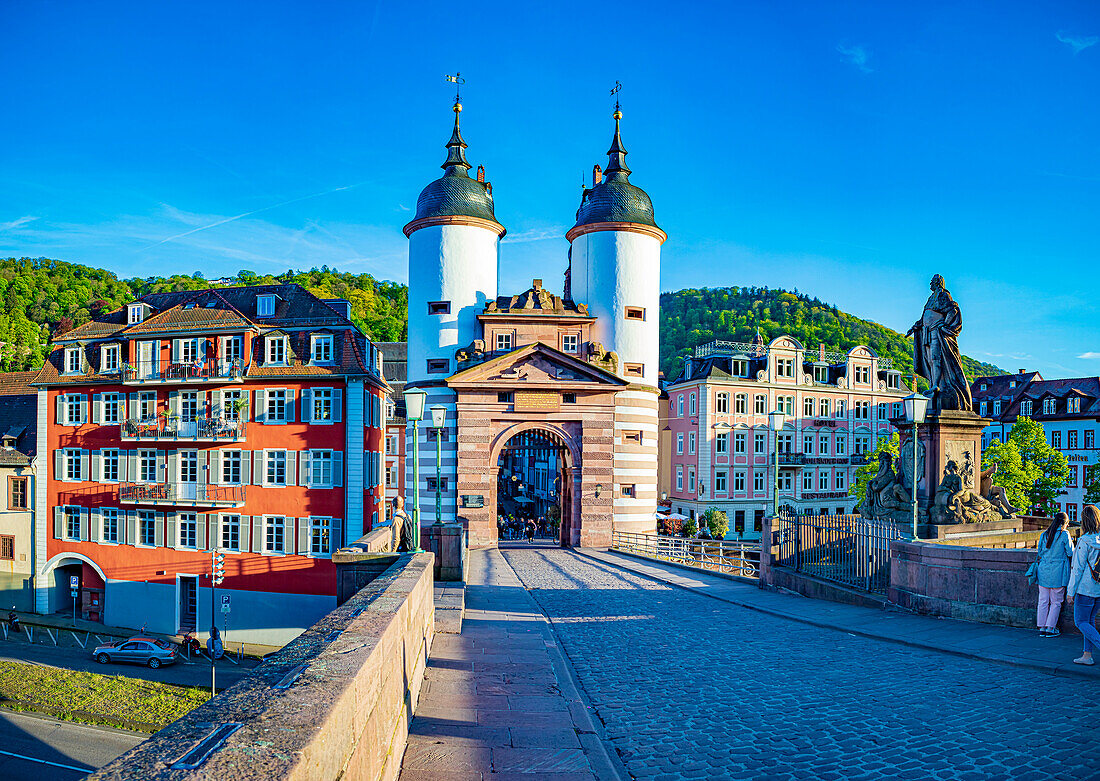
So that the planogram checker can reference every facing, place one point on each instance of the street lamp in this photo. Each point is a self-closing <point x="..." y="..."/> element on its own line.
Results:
<point x="414" y="412"/>
<point x="916" y="409"/>
<point x="439" y="417"/>
<point x="775" y="422"/>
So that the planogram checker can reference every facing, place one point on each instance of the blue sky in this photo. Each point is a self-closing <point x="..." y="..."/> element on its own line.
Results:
<point x="848" y="150"/>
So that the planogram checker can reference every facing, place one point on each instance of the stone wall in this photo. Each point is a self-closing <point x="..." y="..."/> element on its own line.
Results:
<point x="334" y="704"/>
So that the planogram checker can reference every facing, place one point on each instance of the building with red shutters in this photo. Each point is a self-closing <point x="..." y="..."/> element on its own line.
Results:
<point x="244" y="420"/>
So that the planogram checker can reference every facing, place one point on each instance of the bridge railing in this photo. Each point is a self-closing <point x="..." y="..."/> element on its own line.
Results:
<point x="845" y="549"/>
<point x="729" y="556"/>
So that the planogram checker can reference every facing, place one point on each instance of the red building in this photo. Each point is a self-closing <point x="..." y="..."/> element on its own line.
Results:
<point x="244" y="420"/>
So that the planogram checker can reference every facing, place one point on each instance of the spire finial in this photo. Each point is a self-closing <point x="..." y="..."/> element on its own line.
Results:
<point x="458" y="81"/>
<point x="616" y="155"/>
<point x="456" y="164"/>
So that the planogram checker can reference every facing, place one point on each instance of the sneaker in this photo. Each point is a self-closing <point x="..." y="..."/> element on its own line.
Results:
<point x="1043" y="631"/>
<point x="1053" y="632"/>
<point x="1084" y="660"/>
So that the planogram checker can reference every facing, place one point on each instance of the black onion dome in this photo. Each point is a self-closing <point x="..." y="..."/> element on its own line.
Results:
<point x="615" y="199"/>
<point x="455" y="194"/>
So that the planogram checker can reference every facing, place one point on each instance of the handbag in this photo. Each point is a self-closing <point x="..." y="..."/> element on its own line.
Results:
<point x="1033" y="573"/>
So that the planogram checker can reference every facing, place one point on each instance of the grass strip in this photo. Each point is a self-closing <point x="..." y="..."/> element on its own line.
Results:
<point x="91" y="698"/>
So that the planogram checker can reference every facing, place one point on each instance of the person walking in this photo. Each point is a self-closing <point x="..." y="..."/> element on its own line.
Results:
<point x="1083" y="590"/>
<point x="1054" y="555"/>
<point x="530" y="525"/>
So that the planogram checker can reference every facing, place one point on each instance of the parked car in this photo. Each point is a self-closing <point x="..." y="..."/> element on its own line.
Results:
<point x="136" y="650"/>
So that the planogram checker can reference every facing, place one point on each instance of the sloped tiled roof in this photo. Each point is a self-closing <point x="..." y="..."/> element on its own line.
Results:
<point x="17" y="383"/>
<point x="18" y="415"/>
<point x="1085" y="388"/>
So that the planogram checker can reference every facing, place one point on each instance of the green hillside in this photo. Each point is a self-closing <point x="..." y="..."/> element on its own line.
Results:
<point x="692" y="317"/>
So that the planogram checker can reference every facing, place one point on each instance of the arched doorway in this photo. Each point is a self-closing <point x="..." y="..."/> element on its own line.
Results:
<point x="75" y="586"/>
<point x="534" y="481"/>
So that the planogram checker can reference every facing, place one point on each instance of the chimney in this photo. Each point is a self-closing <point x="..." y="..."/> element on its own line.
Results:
<point x="536" y="284"/>
<point x="821" y="351"/>
<point x="481" y="174"/>
<point x="597" y="175"/>
<point x="1023" y="371"/>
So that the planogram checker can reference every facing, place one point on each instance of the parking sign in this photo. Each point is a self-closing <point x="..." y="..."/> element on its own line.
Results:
<point x="225" y="603"/>
<point x="74" y="582"/>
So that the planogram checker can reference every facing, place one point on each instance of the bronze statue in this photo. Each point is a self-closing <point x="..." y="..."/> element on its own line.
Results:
<point x="936" y="354"/>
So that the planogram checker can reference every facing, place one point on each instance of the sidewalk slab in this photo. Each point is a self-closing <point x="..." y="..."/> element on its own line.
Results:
<point x="1001" y="644"/>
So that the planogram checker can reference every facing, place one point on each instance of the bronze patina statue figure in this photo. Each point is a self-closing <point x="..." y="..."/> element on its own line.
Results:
<point x="936" y="354"/>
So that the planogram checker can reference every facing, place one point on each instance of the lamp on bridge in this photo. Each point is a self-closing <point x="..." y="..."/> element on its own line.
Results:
<point x="599" y="488"/>
<point x="439" y="418"/>
<point x="916" y="410"/>
<point x="776" y="418"/>
<point x="414" y="413"/>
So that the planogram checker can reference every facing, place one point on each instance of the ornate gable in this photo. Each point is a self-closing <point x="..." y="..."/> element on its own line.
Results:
<point x="536" y="365"/>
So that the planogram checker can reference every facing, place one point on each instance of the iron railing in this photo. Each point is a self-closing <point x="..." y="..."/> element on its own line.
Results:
<point x="182" y="494"/>
<point x="172" y="427"/>
<point x="181" y="371"/>
<point x="846" y="549"/>
<point x="729" y="556"/>
<point x="724" y="347"/>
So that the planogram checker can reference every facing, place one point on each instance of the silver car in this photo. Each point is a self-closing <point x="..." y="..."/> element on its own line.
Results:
<point x="136" y="650"/>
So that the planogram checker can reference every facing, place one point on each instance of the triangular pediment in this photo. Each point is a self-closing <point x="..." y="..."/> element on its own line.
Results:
<point x="536" y="365"/>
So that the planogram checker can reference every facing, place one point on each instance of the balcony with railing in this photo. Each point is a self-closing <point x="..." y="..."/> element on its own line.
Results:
<point x="174" y="429"/>
<point x="182" y="494"/>
<point x="167" y="372"/>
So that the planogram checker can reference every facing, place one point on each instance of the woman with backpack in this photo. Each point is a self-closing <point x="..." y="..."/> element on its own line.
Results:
<point x="1084" y="583"/>
<point x="1053" y="564"/>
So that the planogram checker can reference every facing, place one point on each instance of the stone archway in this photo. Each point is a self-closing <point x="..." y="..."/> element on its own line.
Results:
<point x="514" y="460"/>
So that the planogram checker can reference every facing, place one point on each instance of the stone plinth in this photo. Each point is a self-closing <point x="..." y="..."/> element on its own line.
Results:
<point x="448" y="542"/>
<point x="945" y="436"/>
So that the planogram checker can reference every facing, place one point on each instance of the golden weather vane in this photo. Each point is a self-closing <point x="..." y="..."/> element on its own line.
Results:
<point x="615" y="94"/>
<point x="458" y="81"/>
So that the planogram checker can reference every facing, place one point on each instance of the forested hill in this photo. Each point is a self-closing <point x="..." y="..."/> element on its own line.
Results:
<point x="693" y="317"/>
<point x="42" y="297"/>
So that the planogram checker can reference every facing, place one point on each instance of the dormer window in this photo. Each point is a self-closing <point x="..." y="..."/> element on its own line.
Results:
<point x="265" y="305"/>
<point x="72" y="360"/>
<point x="321" y="348"/>
<point x="276" y="349"/>
<point x="135" y="313"/>
<point x="108" y="359"/>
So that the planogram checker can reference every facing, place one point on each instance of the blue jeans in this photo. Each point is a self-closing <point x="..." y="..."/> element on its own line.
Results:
<point x="1084" y="616"/>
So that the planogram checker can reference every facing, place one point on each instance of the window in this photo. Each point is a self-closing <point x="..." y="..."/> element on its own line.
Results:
<point x="1073" y="405"/>
<point x="17" y="493"/>
<point x="785" y="443"/>
<point x="504" y="397"/>
<point x="504" y="342"/>
<point x="635" y="313"/>
<point x="627" y="490"/>
<point x="808" y="443"/>
<point x="147" y="405"/>
<point x="1025" y="408"/>
<point x="188" y="530"/>
<point x="807" y="480"/>
<point x="72" y="360"/>
<point x="841" y="408"/>
<point x="825" y="408"/>
<point x="863" y="375"/>
<point x="189" y="466"/>
<point x="1071" y="440"/>
<point x="318" y="536"/>
<point x="784" y="367"/>
<point x="722" y="444"/>
<point x="1071" y="511"/>
<point x="757" y="481"/>
<point x="231" y="467"/>
<point x="189" y="406"/>
<point x="680" y="443"/>
<point x="808" y="407"/>
<point x="231" y="353"/>
<point x="863" y="444"/>
<point x="265" y="306"/>
<point x="741" y="403"/>
<point x="147" y="466"/>
<point x="569" y="343"/>
<point x="188" y="350"/>
<point x="760" y="404"/>
<point x="740" y="442"/>
<point x="997" y="407"/>
<point x="73" y="412"/>
<point x="391" y="475"/>
<point x="110" y="402"/>
<point x="320" y="468"/>
<point x="72" y="465"/>
<point x="785" y="480"/>
<point x="438" y="365"/>
<point x="1090" y="440"/>
<point x="691" y="404"/>
<point x="632" y="437"/>
<point x="322" y="404"/>
<point x="1048" y="406"/>
<point x="823" y="480"/>
<point x="720" y="482"/>
<point x="231" y="532"/>
<point x="785" y="404"/>
<point x="821" y="373"/>
<point x="135" y="313"/>
<point x="739" y="482"/>
<point x="881" y="412"/>
<point x="679" y="478"/>
<point x="72" y="523"/>
<point x="680" y="406"/>
<point x="439" y="307"/>
<point x="274" y="540"/>
<point x="862" y="410"/>
<point x="108" y="359"/>
<point x="569" y="398"/>
<point x="691" y="443"/>
<point x="1071" y="480"/>
<point x="1056" y="440"/>
<point x="823" y="445"/>
<point x="691" y="480"/>
<point x="722" y="403"/>
<point x="109" y="466"/>
<point x="636" y="370"/>
<point x="895" y="409"/>
<point x="232" y="403"/>
<point x="276" y="405"/>
<point x="760" y="443"/>
<point x="275" y="467"/>
<point x="985" y="386"/>
<point x="109" y="518"/>
<point x="147" y="528"/>
<point x="276" y="349"/>
<point x="893" y="381"/>
<point x="321" y="348"/>
<point x="840" y="482"/>
<point x="841" y="445"/>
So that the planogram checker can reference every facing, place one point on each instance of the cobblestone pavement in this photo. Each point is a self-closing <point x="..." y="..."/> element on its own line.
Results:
<point x="689" y="687"/>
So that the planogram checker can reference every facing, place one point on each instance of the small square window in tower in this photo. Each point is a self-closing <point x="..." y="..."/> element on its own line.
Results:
<point x="633" y="370"/>
<point x="438" y="365"/>
<point x="634" y="313"/>
<point x="439" y="307"/>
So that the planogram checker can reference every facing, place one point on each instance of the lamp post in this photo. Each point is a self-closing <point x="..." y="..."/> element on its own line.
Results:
<point x="439" y="417"/>
<point x="775" y="422"/>
<point x="916" y="409"/>
<point x="414" y="412"/>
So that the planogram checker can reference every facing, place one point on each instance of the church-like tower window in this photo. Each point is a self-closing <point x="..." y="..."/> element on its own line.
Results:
<point x="569" y="343"/>
<point x="633" y="370"/>
<point x="635" y="313"/>
<point x="439" y="307"/>
<point x="438" y="365"/>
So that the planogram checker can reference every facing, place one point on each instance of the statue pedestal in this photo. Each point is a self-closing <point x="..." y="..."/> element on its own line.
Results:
<point x="946" y="436"/>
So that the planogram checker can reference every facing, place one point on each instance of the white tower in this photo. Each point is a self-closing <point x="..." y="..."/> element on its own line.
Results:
<point x="615" y="268"/>
<point x="453" y="256"/>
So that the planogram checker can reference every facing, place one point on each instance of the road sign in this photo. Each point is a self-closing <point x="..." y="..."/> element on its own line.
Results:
<point x="74" y="593"/>
<point x="74" y="582"/>
<point x="225" y="603"/>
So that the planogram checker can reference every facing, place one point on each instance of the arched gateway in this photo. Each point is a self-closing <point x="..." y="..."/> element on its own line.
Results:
<point x="535" y="478"/>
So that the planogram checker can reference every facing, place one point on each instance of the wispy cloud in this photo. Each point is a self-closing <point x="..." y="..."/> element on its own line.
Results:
<point x="537" y="234"/>
<point x="1077" y="42"/>
<point x="859" y="56"/>
<point x="403" y="207"/>
<point x="1092" y="355"/>
<point x="18" y="223"/>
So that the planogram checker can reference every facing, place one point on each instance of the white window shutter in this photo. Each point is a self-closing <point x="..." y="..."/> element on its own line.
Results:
<point x="337" y="468"/>
<point x="97" y="407"/>
<point x="258" y="539"/>
<point x="214" y="473"/>
<point x="59" y="465"/>
<point x="176" y="350"/>
<point x="303" y="468"/>
<point x="337" y="405"/>
<point x="288" y="535"/>
<point x="173" y="402"/>
<point x="290" y="404"/>
<point x="216" y="404"/>
<point x="200" y="531"/>
<point x="84" y="523"/>
<point x="94" y="531"/>
<point x="132" y="471"/>
<point x="173" y="466"/>
<point x="261" y="407"/>
<point x="335" y="535"/>
<point x="291" y="468"/>
<point x="97" y="462"/>
<point x="171" y="537"/>
<point x="303" y="536"/>
<point x="259" y="474"/>
<point x="307" y="401"/>
<point x="59" y="523"/>
<point x="160" y="476"/>
<point x="85" y="464"/>
<point x="202" y="467"/>
<point x="158" y="530"/>
<point x="135" y="406"/>
<point x="83" y="409"/>
<point x="244" y="529"/>
<point x="59" y="406"/>
<point x="246" y="467"/>
<point x="121" y="407"/>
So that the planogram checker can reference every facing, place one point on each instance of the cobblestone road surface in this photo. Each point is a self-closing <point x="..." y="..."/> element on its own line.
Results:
<point x="689" y="687"/>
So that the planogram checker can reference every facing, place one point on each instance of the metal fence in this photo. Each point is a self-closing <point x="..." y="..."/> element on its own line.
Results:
<point x="729" y="556"/>
<point x="845" y="549"/>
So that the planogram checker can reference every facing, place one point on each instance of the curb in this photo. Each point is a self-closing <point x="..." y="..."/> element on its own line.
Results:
<point x="1068" y="670"/>
<point x="79" y="716"/>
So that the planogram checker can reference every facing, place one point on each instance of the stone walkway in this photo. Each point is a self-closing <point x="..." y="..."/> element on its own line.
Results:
<point x="499" y="700"/>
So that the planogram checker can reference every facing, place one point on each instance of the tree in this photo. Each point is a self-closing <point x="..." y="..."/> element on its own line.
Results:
<point x="1052" y="467"/>
<point x="716" y="522"/>
<point x="1015" y="476"/>
<point x="1092" y="484"/>
<point x="865" y="472"/>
